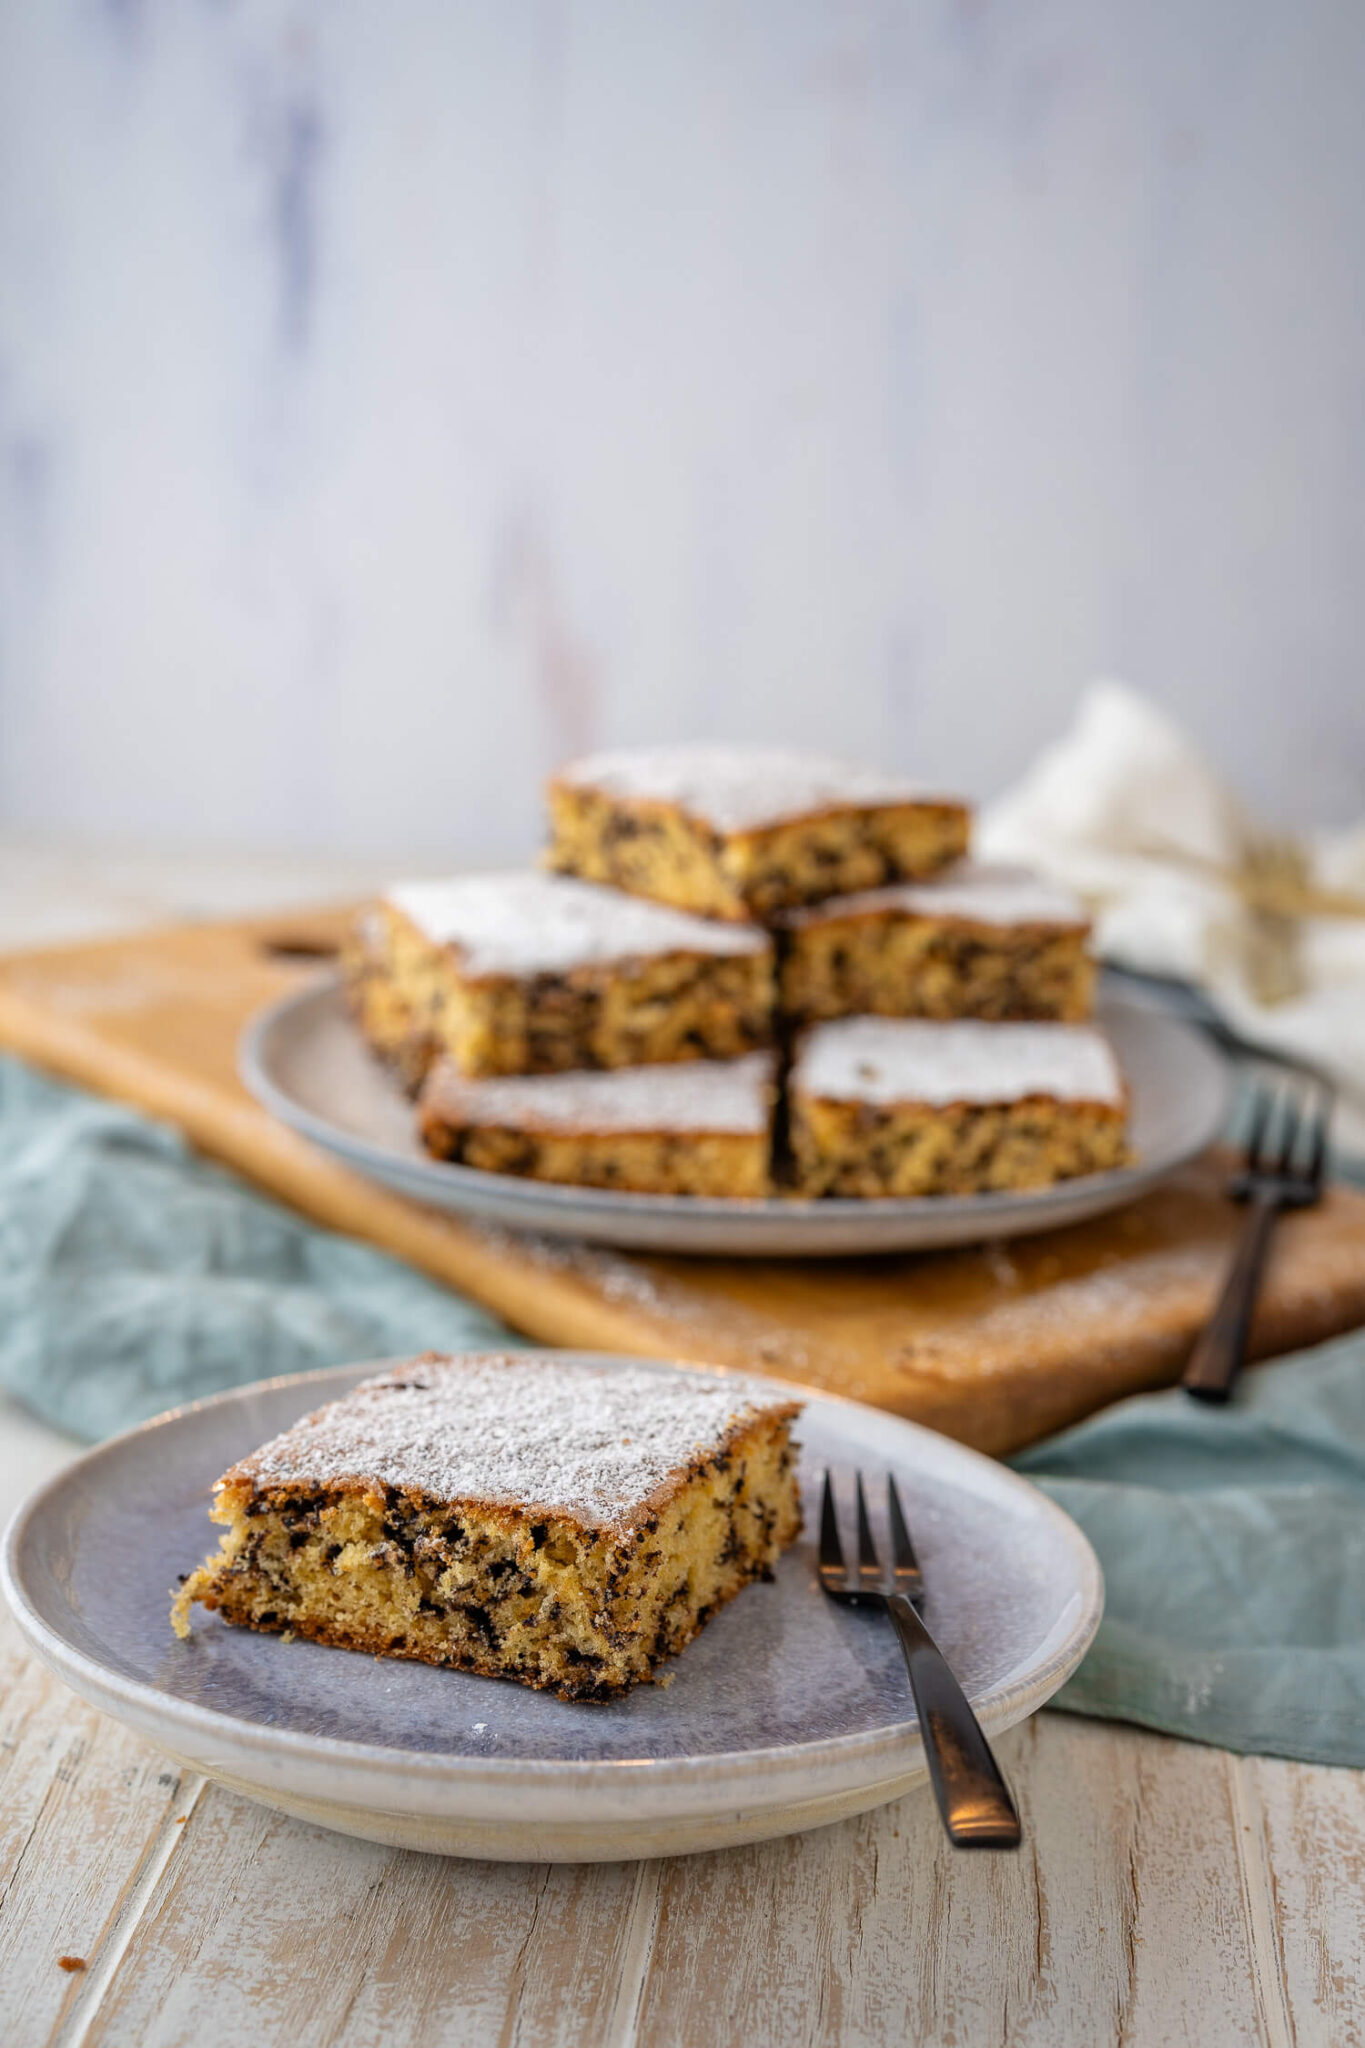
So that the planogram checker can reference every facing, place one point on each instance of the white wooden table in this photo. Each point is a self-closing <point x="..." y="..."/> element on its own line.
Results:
<point x="1165" y="1894"/>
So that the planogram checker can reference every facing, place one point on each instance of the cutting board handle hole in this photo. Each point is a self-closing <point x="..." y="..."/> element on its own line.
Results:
<point x="299" y="946"/>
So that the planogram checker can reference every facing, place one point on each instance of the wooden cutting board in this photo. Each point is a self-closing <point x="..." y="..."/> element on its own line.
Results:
<point x="997" y="1345"/>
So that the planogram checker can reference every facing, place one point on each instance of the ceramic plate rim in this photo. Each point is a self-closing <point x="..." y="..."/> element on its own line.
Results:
<point x="552" y="1206"/>
<point x="998" y="1707"/>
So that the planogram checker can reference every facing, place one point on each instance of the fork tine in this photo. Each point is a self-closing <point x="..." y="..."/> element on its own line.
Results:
<point x="1293" y="1106"/>
<point x="831" y="1549"/>
<point x="902" y="1549"/>
<point x="867" y="1549"/>
<point x="1256" y="1131"/>
<point x="1317" y="1149"/>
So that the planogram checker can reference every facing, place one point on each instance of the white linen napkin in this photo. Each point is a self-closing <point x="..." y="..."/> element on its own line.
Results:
<point x="1124" y="810"/>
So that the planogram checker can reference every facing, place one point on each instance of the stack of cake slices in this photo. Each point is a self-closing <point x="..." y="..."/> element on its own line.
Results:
<point x="745" y="972"/>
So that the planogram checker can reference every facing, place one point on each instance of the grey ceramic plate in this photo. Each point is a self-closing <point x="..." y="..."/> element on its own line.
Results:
<point x="304" y="1060"/>
<point x="786" y="1712"/>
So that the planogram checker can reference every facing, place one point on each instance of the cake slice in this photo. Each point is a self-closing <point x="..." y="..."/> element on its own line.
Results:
<point x="980" y="941"/>
<point x="744" y="832"/>
<point x="695" y="1129"/>
<point x="381" y="1004"/>
<point x="568" y="1525"/>
<point x="900" y="1106"/>
<point x="529" y="973"/>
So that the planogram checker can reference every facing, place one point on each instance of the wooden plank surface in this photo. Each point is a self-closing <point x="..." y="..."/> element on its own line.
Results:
<point x="996" y="1345"/>
<point x="89" y="1814"/>
<point x="1123" y="1919"/>
<point x="1165" y="1894"/>
<point x="287" y="1933"/>
<point x="1306" y="1831"/>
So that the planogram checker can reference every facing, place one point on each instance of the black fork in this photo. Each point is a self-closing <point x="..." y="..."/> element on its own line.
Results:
<point x="972" y="1796"/>
<point x="1285" y="1158"/>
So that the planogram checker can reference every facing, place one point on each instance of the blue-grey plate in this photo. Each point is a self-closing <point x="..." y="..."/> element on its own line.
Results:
<point x="786" y="1712"/>
<point x="304" y="1060"/>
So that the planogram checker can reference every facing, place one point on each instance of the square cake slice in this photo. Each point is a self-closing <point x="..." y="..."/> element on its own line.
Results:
<point x="745" y="832"/>
<point x="980" y="941"/>
<point x="901" y="1106"/>
<point x="383" y="1006"/>
<point x="522" y="1516"/>
<point x="529" y="973"/>
<point x="696" y="1129"/>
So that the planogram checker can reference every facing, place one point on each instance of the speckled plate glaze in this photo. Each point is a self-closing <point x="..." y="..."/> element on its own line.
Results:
<point x="787" y="1712"/>
<point x="304" y="1061"/>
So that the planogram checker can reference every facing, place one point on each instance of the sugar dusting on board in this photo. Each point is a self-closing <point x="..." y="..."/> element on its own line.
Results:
<point x="530" y="923"/>
<point x="739" y="789"/>
<point x="517" y="1429"/>
<point x="732" y="1096"/>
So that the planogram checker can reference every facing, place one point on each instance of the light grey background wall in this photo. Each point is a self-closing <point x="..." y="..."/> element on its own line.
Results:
<point x="395" y="399"/>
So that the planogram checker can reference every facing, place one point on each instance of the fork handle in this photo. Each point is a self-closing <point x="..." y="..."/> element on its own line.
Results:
<point x="973" y="1798"/>
<point x="1221" y="1351"/>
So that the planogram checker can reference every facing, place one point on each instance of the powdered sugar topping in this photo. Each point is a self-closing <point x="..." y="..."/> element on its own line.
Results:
<point x="907" y="1059"/>
<point x="980" y="892"/>
<point x="739" y="789"/>
<point x="690" y="1095"/>
<point x="516" y="1429"/>
<point x="531" y="923"/>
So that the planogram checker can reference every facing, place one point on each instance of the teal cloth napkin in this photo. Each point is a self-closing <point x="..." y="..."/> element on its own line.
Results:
<point x="1233" y="1547"/>
<point x="135" y="1275"/>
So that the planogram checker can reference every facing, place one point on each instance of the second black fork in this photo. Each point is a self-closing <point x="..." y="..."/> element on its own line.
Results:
<point x="1287" y="1175"/>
